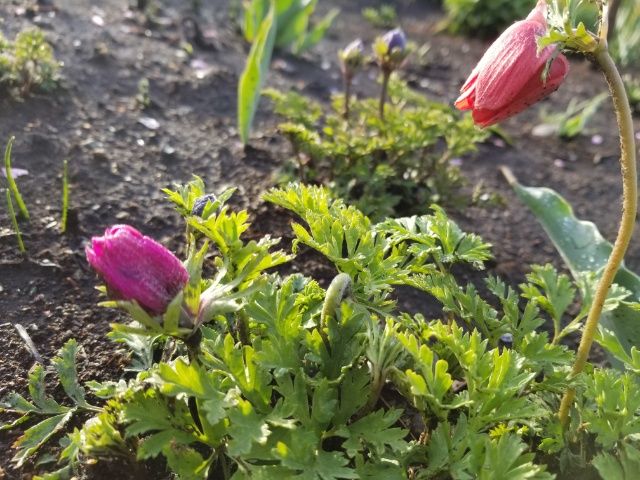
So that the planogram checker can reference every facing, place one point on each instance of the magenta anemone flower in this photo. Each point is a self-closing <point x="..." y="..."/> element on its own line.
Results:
<point x="509" y="77"/>
<point x="136" y="267"/>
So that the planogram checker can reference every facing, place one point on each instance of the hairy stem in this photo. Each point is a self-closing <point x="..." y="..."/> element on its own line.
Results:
<point x="627" y="221"/>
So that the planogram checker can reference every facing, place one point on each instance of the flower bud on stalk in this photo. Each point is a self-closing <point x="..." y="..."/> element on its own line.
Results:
<point x="513" y="75"/>
<point x="351" y="60"/>
<point x="136" y="267"/>
<point x="201" y="202"/>
<point x="391" y="51"/>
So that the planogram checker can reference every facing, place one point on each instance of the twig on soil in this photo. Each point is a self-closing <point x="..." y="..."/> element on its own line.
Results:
<point x="28" y="342"/>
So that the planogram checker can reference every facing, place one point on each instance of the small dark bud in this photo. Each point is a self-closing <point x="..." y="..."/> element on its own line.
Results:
<point x="352" y="57"/>
<point x="506" y="340"/>
<point x="200" y="204"/>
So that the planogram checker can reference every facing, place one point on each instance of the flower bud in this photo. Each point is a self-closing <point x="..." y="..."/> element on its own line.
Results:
<point x="395" y="40"/>
<point x="391" y="49"/>
<point x="513" y="74"/>
<point x="136" y="267"/>
<point x="352" y="57"/>
<point x="201" y="203"/>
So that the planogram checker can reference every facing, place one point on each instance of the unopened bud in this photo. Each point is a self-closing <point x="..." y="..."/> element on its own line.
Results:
<point x="391" y="49"/>
<point x="201" y="202"/>
<point x="352" y="57"/>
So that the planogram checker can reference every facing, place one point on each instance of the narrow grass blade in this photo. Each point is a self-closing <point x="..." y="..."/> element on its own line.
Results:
<point x="65" y="197"/>
<point x="14" y="221"/>
<point x="12" y="183"/>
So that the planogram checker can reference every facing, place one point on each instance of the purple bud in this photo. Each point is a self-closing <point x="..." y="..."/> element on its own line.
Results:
<point x="201" y="202"/>
<point x="395" y="40"/>
<point x="352" y="56"/>
<point x="136" y="267"/>
<point x="506" y="340"/>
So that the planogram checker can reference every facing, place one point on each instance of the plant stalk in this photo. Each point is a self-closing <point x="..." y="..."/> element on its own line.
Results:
<point x="386" y="74"/>
<point x="627" y="220"/>
<point x="347" y="94"/>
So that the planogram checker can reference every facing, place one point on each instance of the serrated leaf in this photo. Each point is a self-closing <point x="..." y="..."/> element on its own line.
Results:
<point x="45" y="403"/>
<point x="246" y="428"/>
<point x="505" y="459"/>
<point x="154" y="444"/>
<point x="65" y="365"/>
<point x="376" y="432"/>
<point x="186" y="462"/>
<point x="34" y="437"/>
<point x="17" y="403"/>
<point x="609" y="467"/>
<point x="584" y="250"/>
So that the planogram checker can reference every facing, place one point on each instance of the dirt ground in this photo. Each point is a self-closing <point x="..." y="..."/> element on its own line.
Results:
<point x="118" y="165"/>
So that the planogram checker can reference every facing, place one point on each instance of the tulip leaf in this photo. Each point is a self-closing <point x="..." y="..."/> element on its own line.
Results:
<point x="584" y="250"/>
<point x="254" y="74"/>
<point x="318" y="32"/>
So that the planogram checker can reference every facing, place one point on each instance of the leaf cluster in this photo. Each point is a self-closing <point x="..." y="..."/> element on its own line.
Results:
<point x="27" y="63"/>
<point x="398" y="165"/>
<point x="292" y="20"/>
<point x="299" y="381"/>
<point x="483" y="17"/>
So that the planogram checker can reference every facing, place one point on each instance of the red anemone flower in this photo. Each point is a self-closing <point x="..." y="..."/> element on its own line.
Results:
<point x="509" y="77"/>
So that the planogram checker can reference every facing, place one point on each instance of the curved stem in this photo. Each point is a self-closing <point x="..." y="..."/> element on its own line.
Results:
<point x="627" y="221"/>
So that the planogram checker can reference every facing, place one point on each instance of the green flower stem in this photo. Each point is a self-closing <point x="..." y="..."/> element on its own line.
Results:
<point x="348" y="79"/>
<point x="386" y="74"/>
<point x="627" y="221"/>
<point x="243" y="328"/>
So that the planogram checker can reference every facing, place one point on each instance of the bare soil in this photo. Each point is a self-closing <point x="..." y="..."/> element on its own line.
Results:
<point x="118" y="165"/>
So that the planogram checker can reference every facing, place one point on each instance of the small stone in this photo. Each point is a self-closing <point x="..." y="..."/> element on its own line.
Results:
<point x="150" y="123"/>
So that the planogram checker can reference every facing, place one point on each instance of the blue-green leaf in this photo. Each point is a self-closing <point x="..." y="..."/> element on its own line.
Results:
<point x="583" y="250"/>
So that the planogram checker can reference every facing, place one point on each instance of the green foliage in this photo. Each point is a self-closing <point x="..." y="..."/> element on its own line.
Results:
<point x="270" y="24"/>
<point x="27" y="64"/>
<point x="57" y="416"/>
<point x="573" y="121"/>
<point x="255" y="72"/>
<point x="383" y="17"/>
<point x="293" y="20"/>
<point x="585" y="251"/>
<point x="632" y="86"/>
<point x="13" y="187"/>
<point x="399" y="165"/>
<point x="296" y="381"/>
<point x="484" y="17"/>
<point x="625" y="42"/>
